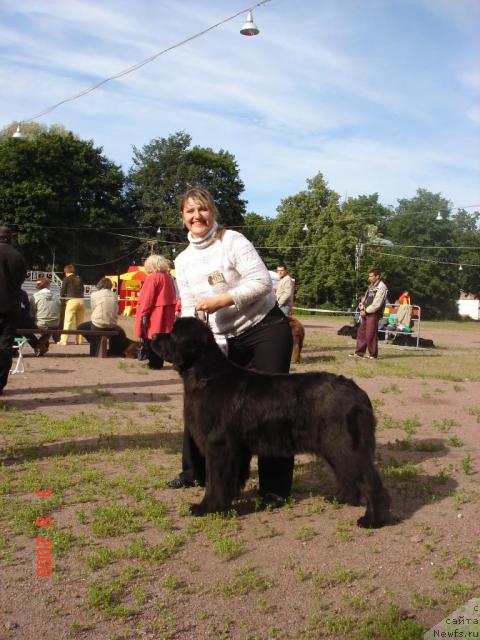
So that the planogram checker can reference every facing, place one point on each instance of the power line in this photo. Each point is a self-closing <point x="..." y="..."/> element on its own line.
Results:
<point x="143" y="63"/>
<point x="101" y="264"/>
<point x="397" y="255"/>
<point x="421" y="246"/>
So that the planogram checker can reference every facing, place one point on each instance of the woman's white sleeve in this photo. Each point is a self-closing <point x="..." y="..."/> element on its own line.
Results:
<point x="186" y="295"/>
<point x="255" y="281"/>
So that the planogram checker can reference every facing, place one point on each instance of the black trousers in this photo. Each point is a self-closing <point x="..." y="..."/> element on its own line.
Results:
<point x="8" y="327"/>
<point x="154" y="361"/>
<point x="265" y="347"/>
<point x="93" y="341"/>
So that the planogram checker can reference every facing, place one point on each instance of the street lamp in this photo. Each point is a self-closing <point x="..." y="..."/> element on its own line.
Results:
<point x="439" y="216"/>
<point x="249" y="28"/>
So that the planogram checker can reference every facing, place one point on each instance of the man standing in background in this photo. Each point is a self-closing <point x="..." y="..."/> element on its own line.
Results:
<point x="284" y="291"/>
<point x="371" y="310"/>
<point x="12" y="274"/>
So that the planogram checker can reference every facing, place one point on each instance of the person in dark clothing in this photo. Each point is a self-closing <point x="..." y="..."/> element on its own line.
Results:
<point x="26" y="321"/>
<point x="12" y="274"/>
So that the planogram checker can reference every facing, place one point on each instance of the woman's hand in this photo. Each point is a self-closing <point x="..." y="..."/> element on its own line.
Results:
<point x="214" y="303"/>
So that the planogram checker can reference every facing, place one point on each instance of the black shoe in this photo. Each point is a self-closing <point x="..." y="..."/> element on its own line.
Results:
<point x="272" y="501"/>
<point x="181" y="483"/>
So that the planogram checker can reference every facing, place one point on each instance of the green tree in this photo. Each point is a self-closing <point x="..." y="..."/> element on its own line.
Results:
<point x="257" y="229"/>
<point x="297" y="238"/>
<point x="165" y="168"/>
<point x="31" y="130"/>
<point x="467" y="234"/>
<point x="316" y="236"/>
<point x="58" y="193"/>
<point x="425" y="245"/>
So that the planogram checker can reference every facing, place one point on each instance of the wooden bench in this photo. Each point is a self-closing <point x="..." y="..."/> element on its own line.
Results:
<point x="104" y="335"/>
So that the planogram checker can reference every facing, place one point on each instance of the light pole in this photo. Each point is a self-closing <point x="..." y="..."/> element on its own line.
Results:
<point x="359" y="251"/>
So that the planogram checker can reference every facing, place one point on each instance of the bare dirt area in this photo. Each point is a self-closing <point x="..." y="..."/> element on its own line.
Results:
<point x="102" y="437"/>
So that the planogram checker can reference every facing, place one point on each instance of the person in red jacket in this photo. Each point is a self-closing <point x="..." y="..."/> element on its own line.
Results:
<point x="156" y="305"/>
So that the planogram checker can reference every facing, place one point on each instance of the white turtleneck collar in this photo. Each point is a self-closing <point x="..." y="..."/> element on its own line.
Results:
<point x="206" y="240"/>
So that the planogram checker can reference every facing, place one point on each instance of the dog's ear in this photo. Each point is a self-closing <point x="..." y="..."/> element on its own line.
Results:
<point x="162" y="347"/>
<point x="189" y="341"/>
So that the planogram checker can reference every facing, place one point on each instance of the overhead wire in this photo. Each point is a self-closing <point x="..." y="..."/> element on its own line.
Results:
<point x="138" y="65"/>
<point x="417" y="258"/>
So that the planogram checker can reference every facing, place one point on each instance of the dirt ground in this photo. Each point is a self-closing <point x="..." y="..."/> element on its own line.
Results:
<point x="103" y="433"/>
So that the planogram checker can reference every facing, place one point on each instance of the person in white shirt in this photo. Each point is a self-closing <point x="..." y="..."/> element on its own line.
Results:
<point x="284" y="290"/>
<point x="104" y="303"/>
<point x="221" y="274"/>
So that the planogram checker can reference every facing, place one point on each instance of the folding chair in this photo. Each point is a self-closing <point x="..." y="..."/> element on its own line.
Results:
<point x="18" y="344"/>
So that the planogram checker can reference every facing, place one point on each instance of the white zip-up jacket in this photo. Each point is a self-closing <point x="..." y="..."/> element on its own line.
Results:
<point x="210" y="266"/>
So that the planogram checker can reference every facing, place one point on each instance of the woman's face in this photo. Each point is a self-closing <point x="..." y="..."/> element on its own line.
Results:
<point x="197" y="218"/>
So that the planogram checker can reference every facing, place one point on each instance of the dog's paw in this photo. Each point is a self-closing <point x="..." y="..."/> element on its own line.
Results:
<point x="368" y="522"/>
<point x="198" y="510"/>
<point x="352" y="499"/>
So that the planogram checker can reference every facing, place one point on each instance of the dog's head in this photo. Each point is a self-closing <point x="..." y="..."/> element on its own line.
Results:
<point x="189" y="341"/>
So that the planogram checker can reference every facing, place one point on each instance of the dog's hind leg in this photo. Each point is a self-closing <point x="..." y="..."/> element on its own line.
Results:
<point x="348" y="478"/>
<point x="378" y="500"/>
<point x="243" y="461"/>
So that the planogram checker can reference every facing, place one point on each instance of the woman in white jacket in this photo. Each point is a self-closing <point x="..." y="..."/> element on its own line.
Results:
<point x="221" y="274"/>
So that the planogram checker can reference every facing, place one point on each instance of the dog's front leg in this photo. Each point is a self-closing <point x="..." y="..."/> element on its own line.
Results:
<point x="220" y="482"/>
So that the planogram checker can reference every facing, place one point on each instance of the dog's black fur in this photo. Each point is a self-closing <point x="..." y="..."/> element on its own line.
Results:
<point x="407" y="340"/>
<point x="348" y="330"/>
<point x="233" y="413"/>
<point x="121" y="346"/>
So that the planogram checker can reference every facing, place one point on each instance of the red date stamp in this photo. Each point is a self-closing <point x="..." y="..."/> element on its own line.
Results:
<point x="43" y="547"/>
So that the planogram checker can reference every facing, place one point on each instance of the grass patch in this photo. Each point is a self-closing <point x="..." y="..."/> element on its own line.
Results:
<point x="453" y="441"/>
<point x="342" y="575"/>
<point x="107" y="597"/>
<point x="444" y="425"/>
<point x="305" y="534"/>
<point x="391" y="388"/>
<point x="222" y="531"/>
<point x="244" y="580"/>
<point x="475" y="411"/>
<point x="114" y="520"/>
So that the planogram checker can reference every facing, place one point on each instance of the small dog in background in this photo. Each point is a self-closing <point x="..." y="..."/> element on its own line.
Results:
<point x="298" y="335"/>
<point x="122" y="347"/>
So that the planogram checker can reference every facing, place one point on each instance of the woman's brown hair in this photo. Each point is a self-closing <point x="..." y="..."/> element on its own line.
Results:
<point x="104" y="283"/>
<point x="43" y="283"/>
<point x="205" y="198"/>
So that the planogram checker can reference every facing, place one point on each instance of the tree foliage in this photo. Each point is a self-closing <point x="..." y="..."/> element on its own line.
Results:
<point x="165" y="168"/>
<point x="53" y="185"/>
<point x="66" y="201"/>
<point x="425" y="244"/>
<point x="316" y="236"/>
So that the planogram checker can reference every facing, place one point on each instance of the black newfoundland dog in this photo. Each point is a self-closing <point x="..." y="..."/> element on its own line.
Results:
<point x="233" y="413"/>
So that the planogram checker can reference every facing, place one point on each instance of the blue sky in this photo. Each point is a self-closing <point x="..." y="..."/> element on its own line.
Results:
<point x="378" y="95"/>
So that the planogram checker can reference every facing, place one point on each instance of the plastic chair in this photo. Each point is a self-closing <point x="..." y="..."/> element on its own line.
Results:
<point x="18" y="344"/>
